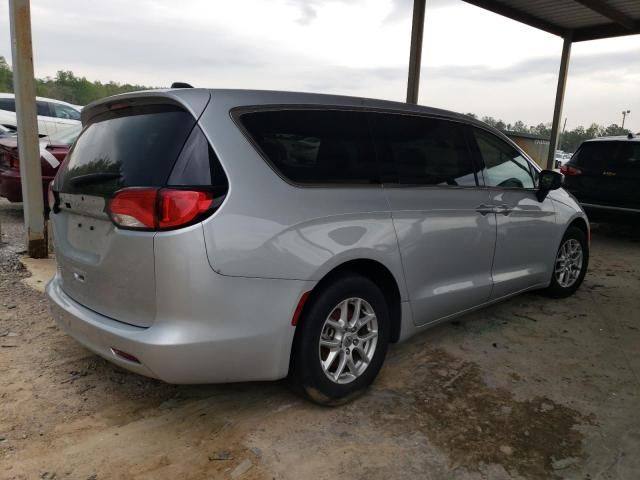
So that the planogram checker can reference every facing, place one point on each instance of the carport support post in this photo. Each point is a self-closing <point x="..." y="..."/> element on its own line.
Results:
<point x="557" y="112"/>
<point x="415" y="53"/>
<point x="28" y="142"/>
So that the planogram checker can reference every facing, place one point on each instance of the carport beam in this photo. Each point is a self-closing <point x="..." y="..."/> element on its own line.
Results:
<point x="557" y="112"/>
<point x="415" y="53"/>
<point x="28" y="142"/>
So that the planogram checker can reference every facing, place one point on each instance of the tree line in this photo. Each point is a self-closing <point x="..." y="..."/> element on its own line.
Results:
<point x="569" y="140"/>
<point x="67" y="87"/>
<point x="80" y="91"/>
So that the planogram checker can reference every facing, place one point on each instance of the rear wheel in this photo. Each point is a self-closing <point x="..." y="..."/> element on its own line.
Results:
<point x="571" y="263"/>
<point x="341" y="342"/>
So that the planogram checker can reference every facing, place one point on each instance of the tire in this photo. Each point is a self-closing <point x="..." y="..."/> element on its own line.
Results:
<point x="322" y="318"/>
<point x="562" y="287"/>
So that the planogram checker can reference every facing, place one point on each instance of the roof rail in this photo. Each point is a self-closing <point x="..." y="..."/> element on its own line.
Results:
<point x="181" y="85"/>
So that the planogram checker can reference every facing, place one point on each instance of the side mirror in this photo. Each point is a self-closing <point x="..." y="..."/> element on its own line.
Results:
<point x="548" y="180"/>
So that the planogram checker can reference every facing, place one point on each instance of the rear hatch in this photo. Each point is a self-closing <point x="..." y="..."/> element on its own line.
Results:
<point x="133" y="142"/>
<point x="605" y="173"/>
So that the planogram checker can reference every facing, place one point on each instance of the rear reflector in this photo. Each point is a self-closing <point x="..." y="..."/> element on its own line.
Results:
<point x="298" y="311"/>
<point x="124" y="355"/>
<point x="570" y="170"/>
<point x="158" y="208"/>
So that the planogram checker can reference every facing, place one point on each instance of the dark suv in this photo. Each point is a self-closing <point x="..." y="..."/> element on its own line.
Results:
<point x="604" y="175"/>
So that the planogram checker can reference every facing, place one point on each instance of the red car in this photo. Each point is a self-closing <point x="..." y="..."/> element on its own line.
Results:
<point x="53" y="150"/>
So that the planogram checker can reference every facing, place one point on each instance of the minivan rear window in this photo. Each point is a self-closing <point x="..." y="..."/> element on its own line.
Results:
<point x="134" y="146"/>
<point x="608" y="155"/>
<point x="309" y="146"/>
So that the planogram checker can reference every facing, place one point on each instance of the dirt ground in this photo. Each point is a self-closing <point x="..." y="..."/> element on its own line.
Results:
<point x="531" y="388"/>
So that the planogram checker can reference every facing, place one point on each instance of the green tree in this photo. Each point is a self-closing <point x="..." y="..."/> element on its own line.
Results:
<point x="520" y="126"/>
<point x="67" y="87"/>
<point x="615" y="129"/>
<point x="6" y="76"/>
<point x="569" y="140"/>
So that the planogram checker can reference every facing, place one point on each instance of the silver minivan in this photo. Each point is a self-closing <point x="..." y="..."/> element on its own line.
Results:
<point x="227" y="235"/>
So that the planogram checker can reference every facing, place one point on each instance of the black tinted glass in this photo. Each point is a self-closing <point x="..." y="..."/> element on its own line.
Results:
<point x="8" y="104"/>
<point x="128" y="147"/>
<point x="422" y="151"/>
<point x="616" y="155"/>
<point x="315" y="146"/>
<point x="197" y="164"/>
<point x="42" y="109"/>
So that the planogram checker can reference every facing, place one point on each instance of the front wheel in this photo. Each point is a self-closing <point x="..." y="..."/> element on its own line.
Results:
<point x="342" y="341"/>
<point x="570" y="265"/>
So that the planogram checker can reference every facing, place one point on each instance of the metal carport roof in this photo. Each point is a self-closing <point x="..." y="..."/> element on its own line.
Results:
<point x="580" y="19"/>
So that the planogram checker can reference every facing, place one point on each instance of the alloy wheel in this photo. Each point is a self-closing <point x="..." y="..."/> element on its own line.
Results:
<point x="569" y="263"/>
<point x="348" y="340"/>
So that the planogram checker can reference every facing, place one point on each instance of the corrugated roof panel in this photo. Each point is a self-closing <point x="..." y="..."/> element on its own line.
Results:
<point x="618" y="17"/>
<point x="557" y="16"/>
<point x="563" y="13"/>
<point x="631" y="8"/>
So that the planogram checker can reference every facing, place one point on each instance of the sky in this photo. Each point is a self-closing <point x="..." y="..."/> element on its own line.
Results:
<point x="472" y="61"/>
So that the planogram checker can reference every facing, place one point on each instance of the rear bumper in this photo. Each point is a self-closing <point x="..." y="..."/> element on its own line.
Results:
<point x="247" y="347"/>
<point x="96" y="332"/>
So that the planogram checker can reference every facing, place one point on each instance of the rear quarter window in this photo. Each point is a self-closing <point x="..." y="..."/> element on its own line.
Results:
<point x="309" y="146"/>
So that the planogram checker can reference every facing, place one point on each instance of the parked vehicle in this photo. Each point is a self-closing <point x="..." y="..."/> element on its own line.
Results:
<point x="225" y="235"/>
<point x="5" y="132"/>
<point x="561" y="157"/>
<point x="604" y="175"/>
<point x="53" y="150"/>
<point x="53" y="115"/>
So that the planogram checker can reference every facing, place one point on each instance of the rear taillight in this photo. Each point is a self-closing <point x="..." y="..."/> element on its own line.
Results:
<point x="8" y="160"/>
<point x="158" y="208"/>
<point x="134" y="208"/>
<point x="569" y="170"/>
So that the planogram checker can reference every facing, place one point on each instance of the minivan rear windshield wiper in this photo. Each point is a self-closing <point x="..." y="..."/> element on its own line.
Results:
<point x="93" y="178"/>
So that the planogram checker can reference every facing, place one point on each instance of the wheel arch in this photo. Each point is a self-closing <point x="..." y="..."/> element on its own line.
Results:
<point x="581" y="224"/>
<point x="378" y="274"/>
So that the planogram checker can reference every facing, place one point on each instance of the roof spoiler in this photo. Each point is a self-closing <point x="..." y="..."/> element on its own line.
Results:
<point x="194" y="100"/>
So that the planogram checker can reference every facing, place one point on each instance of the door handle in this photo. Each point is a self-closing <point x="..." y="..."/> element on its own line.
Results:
<point x="503" y="209"/>
<point x="483" y="209"/>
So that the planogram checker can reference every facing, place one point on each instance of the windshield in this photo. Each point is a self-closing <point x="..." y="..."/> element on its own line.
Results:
<point x="65" y="137"/>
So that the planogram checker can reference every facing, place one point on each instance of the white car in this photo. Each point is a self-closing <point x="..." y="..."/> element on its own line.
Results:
<point x="562" y="157"/>
<point x="53" y="115"/>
